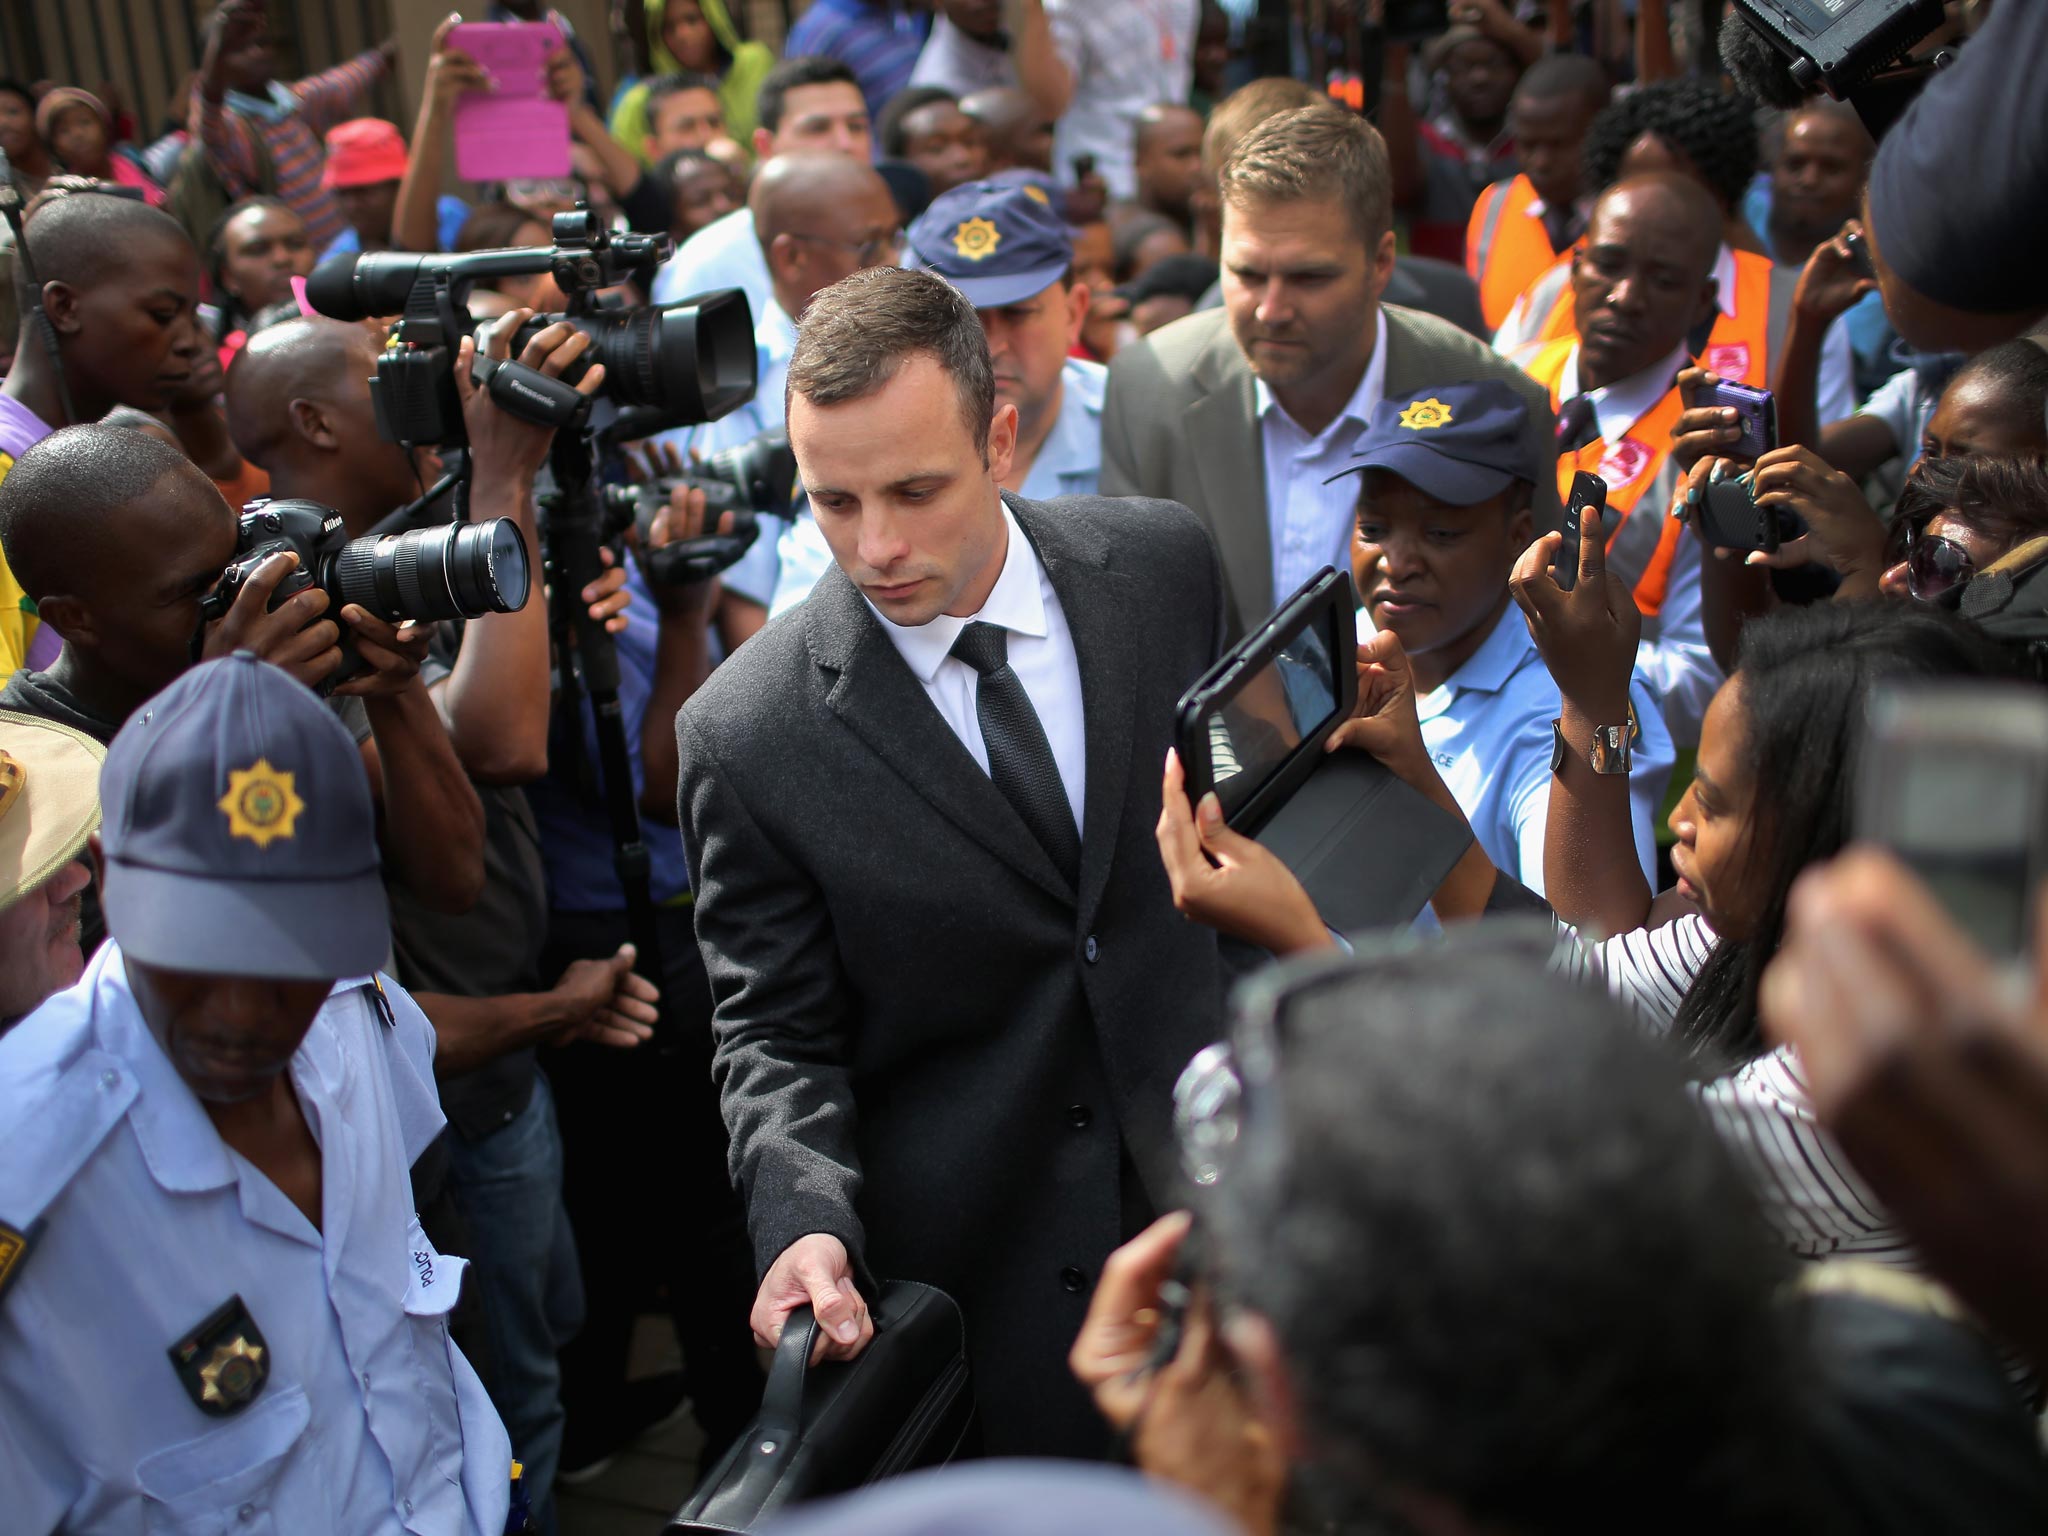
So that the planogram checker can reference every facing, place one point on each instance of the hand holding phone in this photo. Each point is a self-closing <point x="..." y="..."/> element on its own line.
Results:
<point x="1756" y="416"/>
<point x="1589" y="494"/>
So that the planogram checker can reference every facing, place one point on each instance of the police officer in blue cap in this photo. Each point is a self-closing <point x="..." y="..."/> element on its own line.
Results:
<point x="1005" y="247"/>
<point x="217" y="1309"/>
<point x="1443" y="513"/>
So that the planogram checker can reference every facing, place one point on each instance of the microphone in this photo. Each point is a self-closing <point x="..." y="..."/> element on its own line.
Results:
<point x="331" y="289"/>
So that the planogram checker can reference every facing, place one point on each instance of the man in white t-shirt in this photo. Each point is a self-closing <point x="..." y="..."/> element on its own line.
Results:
<point x="1109" y="63"/>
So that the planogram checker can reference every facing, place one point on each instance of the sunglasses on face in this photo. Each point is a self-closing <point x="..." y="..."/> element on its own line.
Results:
<point x="1937" y="568"/>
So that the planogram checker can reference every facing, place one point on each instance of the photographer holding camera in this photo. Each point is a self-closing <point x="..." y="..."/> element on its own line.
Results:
<point x="299" y="403"/>
<point x="119" y="539"/>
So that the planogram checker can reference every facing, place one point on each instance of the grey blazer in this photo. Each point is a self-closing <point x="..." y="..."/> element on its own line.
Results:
<point x="1181" y="421"/>
<point x="927" y="1044"/>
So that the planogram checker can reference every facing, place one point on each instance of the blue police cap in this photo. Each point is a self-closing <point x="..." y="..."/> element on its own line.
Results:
<point x="238" y="831"/>
<point x="1460" y="443"/>
<point x="998" y="244"/>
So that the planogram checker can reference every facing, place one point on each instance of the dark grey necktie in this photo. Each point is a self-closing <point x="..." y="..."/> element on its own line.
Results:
<point x="1578" y="423"/>
<point x="1019" y="758"/>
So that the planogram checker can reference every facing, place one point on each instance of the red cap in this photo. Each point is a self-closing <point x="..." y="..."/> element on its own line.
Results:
<point x="363" y="152"/>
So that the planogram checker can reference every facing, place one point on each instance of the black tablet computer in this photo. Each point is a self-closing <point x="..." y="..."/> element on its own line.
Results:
<point x="1368" y="848"/>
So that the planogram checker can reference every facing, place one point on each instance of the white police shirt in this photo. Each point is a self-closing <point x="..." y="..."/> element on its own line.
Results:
<point x="1069" y="463"/>
<point x="1487" y="728"/>
<point x="143" y="1223"/>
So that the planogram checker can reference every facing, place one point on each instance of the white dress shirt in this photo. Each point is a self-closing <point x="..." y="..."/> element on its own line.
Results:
<point x="1673" y="657"/>
<point x="1309" y="519"/>
<point x="1041" y="651"/>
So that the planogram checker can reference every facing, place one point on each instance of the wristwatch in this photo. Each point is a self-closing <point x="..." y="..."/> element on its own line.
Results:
<point x="1613" y="745"/>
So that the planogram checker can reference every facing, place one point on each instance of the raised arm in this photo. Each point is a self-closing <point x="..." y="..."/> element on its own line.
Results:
<point x="1042" y="68"/>
<point x="1587" y="638"/>
<point x="416" y="222"/>
<point x="1829" y="286"/>
<point x="228" y="140"/>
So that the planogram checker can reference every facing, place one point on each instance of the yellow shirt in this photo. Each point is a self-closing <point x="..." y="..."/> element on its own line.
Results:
<point x="18" y="623"/>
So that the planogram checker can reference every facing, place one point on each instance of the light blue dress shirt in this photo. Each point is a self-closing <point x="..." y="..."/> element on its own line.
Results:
<point x="1069" y="463"/>
<point x="1488" y="730"/>
<point x="370" y="1423"/>
<point x="726" y="253"/>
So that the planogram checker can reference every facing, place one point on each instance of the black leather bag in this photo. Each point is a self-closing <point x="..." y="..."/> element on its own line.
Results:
<point x="828" y="1428"/>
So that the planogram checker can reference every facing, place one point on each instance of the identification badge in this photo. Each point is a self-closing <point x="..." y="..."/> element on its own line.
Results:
<point x="224" y="1362"/>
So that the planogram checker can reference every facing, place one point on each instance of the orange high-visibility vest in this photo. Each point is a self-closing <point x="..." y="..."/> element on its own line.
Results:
<point x="1644" y="543"/>
<point x="1738" y="348"/>
<point x="1506" y="247"/>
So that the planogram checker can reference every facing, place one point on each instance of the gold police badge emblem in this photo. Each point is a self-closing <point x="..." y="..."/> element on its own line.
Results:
<point x="224" y="1362"/>
<point x="976" y="239"/>
<point x="261" y="804"/>
<point x="1425" y="414"/>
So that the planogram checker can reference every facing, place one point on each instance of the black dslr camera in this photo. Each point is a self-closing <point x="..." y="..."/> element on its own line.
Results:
<point x="452" y="570"/>
<point x="757" y="476"/>
<point x="667" y="365"/>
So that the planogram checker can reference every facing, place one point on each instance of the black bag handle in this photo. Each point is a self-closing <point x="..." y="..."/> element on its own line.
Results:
<point x="782" y="1402"/>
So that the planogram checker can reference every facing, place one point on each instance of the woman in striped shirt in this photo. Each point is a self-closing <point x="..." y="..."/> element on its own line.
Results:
<point x="1771" y="795"/>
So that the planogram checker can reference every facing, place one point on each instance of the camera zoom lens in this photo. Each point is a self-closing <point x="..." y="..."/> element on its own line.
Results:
<point x="456" y="570"/>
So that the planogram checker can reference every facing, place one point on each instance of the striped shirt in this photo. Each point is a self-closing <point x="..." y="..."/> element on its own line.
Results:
<point x="1762" y="1109"/>
<point x="875" y="39"/>
<point x="297" y="156"/>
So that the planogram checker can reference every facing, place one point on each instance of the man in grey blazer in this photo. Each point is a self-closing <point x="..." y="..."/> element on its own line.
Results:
<point x="952" y="993"/>
<point x="1244" y="413"/>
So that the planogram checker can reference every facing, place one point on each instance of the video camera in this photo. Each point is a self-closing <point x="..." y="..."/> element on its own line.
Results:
<point x="667" y="365"/>
<point x="1784" y="50"/>
<point x="453" y="570"/>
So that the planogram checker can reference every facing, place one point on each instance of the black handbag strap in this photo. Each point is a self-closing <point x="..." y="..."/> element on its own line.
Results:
<point x="782" y="1403"/>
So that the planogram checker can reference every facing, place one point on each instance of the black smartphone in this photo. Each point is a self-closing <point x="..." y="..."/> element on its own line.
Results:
<point x="1859" y="254"/>
<point x="1731" y="519"/>
<point x="1084" y="166"/>
<point x="1756" y="412"/>
<point x="1589" y="494"/>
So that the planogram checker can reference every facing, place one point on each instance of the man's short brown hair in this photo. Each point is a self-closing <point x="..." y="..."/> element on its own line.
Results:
<point x="1248" y="106"/>
<point x="857" y="333"/>
<point x="1315" y="154"/>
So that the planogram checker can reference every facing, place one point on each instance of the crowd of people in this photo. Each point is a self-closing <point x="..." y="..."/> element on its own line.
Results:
<point x="797" y="885"/>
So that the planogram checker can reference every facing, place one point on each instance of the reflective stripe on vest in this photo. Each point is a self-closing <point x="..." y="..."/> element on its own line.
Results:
<point x="1506" y="248"/>
<point x="1643" y="547"/>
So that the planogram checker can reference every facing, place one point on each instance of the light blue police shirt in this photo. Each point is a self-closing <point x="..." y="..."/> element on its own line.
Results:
<point x="1488" y="730"/>
<point x="726" y="253"/>
<point x="371" y="1423"/>
<point x="1069" y="463"/>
